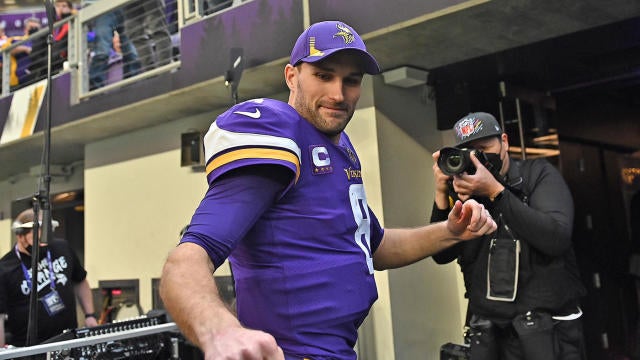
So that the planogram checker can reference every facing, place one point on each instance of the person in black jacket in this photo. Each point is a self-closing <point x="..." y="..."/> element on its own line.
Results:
<point x="522" y="282"/>
<point x="61" y="284"/>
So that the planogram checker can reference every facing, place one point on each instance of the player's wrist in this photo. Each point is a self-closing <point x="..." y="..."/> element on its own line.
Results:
<point x="90" y="315"/>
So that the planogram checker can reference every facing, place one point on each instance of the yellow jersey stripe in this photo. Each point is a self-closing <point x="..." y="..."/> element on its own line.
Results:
<point x="254" y="153"/>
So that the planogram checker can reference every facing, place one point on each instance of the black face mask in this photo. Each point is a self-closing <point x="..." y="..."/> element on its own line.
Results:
<point x="495" y="164"/>
<point x="33" y="31"/>
<point x="42" y="253"/>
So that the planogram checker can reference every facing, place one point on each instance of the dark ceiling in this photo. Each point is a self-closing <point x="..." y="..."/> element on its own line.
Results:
<point x="604" y="59"/>
<point x="599" y="56"/>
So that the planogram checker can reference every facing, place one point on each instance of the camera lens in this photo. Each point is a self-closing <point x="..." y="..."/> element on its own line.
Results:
<point x="454" y="162"/>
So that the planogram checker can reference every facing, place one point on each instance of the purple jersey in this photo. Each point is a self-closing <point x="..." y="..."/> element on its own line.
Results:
<point x="304" y="271"/>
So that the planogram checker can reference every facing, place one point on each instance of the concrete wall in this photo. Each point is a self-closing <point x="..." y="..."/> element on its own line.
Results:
<point x="376" y="340"/>
<point x="427" y="303"/>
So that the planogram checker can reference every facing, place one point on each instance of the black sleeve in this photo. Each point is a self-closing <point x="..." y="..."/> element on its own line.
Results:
<point x="61" y="246"/>
<point x="447" y="255"/>
<point x="438" y="214"/>
<point x="546" y="222"/>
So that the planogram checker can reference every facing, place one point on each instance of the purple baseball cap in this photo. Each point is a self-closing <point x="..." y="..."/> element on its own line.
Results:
<point x="327" y="37"/>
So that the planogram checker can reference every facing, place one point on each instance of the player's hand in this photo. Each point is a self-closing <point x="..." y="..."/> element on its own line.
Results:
<point x="470" y="220"/>
<point x="243" y="344"/>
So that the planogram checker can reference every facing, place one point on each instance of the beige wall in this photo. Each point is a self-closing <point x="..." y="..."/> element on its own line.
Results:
<point x="426" y="297"/>
<point x="426" y="300"/>
<point x="134" y="212"/>
<point x="363" y="133"/>
<point x="5" y="236"/>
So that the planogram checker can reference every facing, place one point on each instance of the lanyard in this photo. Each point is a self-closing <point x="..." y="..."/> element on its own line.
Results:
<point x="27" y="274"/>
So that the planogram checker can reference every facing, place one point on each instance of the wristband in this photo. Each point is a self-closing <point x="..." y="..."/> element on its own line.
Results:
<point x="89" y="315"/>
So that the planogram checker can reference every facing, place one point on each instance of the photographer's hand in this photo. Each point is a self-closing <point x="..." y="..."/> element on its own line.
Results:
<point x="442" y="184"/>
<point x="482" y="183"/>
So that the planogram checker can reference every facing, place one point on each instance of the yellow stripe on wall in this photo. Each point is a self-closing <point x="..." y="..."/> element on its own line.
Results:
<point x="34" y="104"/>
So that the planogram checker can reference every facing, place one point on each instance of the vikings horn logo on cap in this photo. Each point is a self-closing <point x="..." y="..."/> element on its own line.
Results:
<point x="345" y="33"/>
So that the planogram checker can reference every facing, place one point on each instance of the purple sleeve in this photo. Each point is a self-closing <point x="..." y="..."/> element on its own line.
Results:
<point x="232" y="205"/>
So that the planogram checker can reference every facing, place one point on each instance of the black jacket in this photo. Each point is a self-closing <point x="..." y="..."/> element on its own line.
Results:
<point x="15" y="292"/>
<point x="538" y="208"/>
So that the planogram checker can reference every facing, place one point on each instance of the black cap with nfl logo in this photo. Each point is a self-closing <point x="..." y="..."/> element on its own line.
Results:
<point x="475" y="126"/>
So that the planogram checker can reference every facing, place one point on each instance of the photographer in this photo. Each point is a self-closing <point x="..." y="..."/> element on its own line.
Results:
<point x="522" y="282"/>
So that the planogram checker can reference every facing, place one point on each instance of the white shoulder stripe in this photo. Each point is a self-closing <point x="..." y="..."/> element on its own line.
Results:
<point x="219" y="140"/>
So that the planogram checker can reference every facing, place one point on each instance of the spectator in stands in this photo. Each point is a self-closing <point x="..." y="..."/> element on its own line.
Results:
<point x="38" y="56"/>
<point x="105" y="27"/>
<point x="64" y="9"/>
<point x="21" y="66"/>
<point x="149" y="32"/>
<point x="3" y="36"/>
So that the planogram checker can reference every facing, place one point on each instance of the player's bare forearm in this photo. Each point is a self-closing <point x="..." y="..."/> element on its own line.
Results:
<point x="190" y="295"/>
<point x="400" y="247"/>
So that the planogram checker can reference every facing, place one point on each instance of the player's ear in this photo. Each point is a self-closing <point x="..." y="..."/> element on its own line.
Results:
<point x="290" y="72"/>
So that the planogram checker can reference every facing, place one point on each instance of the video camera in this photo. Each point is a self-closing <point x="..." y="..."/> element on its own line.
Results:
<point x="454" y="161"/>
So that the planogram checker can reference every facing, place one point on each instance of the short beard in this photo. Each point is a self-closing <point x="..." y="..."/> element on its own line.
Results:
<point x="313" y="116"/>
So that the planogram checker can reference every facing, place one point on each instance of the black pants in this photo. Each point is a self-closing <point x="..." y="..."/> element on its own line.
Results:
<point x="494" y="342"/>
